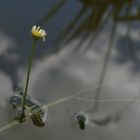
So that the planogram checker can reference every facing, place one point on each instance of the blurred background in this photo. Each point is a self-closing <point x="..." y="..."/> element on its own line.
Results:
<point x="91" y="46"/>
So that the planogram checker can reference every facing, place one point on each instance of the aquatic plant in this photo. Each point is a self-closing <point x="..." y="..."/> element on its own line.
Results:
<point x="37" y="34"/>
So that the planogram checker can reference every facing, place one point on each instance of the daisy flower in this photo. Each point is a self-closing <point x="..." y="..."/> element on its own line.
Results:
<point x="38" y="33"/>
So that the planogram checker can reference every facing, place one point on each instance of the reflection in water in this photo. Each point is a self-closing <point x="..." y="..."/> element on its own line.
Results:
<point x="89" y="21"/>
<point x="96" y="17"/>
<point x="93" y="23"/>
<point x="93" y="18"/>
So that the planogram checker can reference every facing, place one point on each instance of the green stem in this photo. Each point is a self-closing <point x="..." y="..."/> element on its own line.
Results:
<point x="27" y="79"/>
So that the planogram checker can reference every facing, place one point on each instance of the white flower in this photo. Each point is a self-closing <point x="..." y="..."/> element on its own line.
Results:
<point x="38" y="33"/>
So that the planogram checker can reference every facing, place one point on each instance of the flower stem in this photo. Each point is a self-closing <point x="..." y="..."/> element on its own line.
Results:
<point x="27" y="79"/>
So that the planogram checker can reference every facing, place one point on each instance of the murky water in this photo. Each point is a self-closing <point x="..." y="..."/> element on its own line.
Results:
<point x="59" y="73"/>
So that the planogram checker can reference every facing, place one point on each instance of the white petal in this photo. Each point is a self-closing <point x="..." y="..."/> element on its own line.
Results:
<point x="40" y="31"/>
<point x="44" y="39"/>
<point x="44" y="33"/>
<point x="34" y="27"/>
<point x="38" y="28"/>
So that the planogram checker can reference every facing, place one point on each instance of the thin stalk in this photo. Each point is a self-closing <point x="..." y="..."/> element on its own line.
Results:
<point x="27" y="79"/>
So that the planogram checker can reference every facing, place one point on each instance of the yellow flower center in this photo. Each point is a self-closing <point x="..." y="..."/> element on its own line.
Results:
<point x="36" y="34"/>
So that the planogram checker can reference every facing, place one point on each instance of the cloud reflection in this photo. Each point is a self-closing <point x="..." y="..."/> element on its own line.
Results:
<point x="61" y="75"/>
